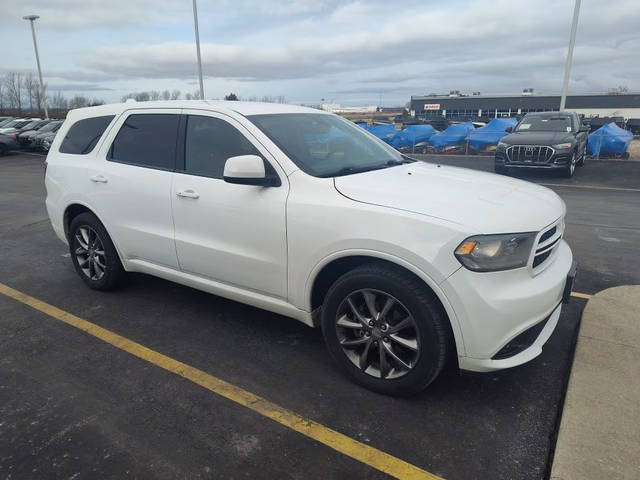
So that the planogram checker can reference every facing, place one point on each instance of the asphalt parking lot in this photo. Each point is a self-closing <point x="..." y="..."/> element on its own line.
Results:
<point x="74" y="406"/>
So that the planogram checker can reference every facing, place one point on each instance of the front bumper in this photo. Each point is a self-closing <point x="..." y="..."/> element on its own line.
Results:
<point x="495" y="308"/>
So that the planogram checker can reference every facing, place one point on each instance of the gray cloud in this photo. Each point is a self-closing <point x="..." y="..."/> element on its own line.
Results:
<point x="78" y="87"/>
<point x="351" y="48"/>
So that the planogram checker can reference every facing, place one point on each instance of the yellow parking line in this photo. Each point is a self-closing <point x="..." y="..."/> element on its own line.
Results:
<point x="581" y="295"/>
<point x="359" y="451"/>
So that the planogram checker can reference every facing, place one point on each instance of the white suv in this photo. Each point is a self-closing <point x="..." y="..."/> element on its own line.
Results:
<point x="404" y="264"/>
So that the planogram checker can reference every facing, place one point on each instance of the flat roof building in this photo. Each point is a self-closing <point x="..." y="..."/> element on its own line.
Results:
<point x="458" y="106"/>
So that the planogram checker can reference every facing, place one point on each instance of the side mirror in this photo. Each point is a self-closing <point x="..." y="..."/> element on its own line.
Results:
<point x="584" y="128"/>
<point x="248" y="170"/>
<point x="508" y="129"/>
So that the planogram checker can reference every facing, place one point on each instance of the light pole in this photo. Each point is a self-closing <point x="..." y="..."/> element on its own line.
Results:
<point x="195" y="21"/>
<point x="31" y="19"/>
<point x="567" y="66"/>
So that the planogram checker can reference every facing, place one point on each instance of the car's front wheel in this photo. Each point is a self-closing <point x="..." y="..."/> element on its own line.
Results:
<point x="501" y="169"/>
<point x="570" y="169"/>
<point x="93" y="254"/>
<point x="385" y="329"/>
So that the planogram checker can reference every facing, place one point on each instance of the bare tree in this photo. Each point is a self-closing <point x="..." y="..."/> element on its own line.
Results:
<point x="154" y="95"/>
<point x="13" y="84"/>
<point x="175" y="95"/>
<point x="188" y="96"/>
<point x="59" y="102"/>
<point x="166" y="95"/>
<point x="31" y="89"/>
<point x="3" y="95"/>
<point x="78" y="101"/>
<point x="141" y="96"/>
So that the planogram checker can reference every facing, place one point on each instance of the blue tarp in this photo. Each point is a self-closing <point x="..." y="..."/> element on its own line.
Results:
<point x="453" y="135"/>
<point x="491" y="133"/>
<point x="412" y="135"/>
<point x="383" y="132"/>
<point x="609" y="138"/>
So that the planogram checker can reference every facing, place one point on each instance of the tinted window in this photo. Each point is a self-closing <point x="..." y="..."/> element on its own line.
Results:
<point x="148" y="140"/>
<point x="209" y="143"/>
<point x="84" y="134"/>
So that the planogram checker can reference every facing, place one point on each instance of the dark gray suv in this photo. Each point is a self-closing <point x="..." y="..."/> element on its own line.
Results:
<point x="549" y="140"/>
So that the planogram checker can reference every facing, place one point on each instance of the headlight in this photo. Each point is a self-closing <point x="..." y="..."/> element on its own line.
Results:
<point x="488" y="253"/>
<point x="502" y="144"/>
<point x="561" y="146"/>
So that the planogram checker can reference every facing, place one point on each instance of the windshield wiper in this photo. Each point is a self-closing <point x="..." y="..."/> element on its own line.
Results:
<point x="368" y="168"/>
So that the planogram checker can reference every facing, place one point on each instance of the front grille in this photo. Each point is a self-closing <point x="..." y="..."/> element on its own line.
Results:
<point x="538" y="259"/>
<point x="529" y="153"/>
<point x="547" y="243"/>
<point x="548" y="234"/>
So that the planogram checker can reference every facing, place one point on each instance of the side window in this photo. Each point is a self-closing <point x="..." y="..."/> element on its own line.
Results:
<point x="148" y="140"/>
<point x="209" y="142"/>
<point x="84" y="135"/>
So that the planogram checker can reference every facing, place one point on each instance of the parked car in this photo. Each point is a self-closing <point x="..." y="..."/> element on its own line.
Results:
<point x="5" y="120"/>
<point x="7" y="143"/>
<point x="405" y="265"/>
<point x="549" y="140"/>
<point x="26" y="137"/>
<point x="44" y="140"/>
<point x="19" y="124"/>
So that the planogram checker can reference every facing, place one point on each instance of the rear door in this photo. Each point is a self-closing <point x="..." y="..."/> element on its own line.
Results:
<point x="235" y="234"/>
<point x="130" y="184"/>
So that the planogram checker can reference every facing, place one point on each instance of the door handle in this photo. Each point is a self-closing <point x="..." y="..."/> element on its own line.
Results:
<point x="188" y="193"/>
<point x="99" y="179"/>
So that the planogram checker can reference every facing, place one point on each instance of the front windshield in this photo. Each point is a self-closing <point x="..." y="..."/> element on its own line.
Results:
<point x="14" y="124"/>
<point x="539" y="123"/>
<point x="49" y="127"/>
<point x="31" y="125"/>
<point x="326" y="145"/>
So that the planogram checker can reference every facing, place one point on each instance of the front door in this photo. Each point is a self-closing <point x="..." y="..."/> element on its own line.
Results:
<point x="235" y="234"/>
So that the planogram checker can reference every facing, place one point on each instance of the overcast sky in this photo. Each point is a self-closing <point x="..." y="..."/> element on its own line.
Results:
<point x="348" y="52"/>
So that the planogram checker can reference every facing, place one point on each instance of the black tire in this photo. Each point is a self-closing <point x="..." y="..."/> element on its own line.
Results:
<point x="582" y="157"/>
<point x="113" y="271"/>
<point x="430" y="322"/>
<point x="570" y="169"/>
<point x="501" y="169"/>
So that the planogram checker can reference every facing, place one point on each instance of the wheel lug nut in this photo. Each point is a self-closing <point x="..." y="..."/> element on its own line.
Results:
<point x="375" y="343"/>
<point x="386" y="339"/>
<point x="371" y="323"/>
<point x="368" y="334"/>
<point x="383" y="327"/>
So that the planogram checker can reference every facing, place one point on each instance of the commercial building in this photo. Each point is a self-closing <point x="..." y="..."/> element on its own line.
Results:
<point x="457" y="106"/>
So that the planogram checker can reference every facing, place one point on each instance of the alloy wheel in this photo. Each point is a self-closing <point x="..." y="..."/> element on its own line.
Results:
<point x="378" y="334"/>
<point x="89" y="253"/>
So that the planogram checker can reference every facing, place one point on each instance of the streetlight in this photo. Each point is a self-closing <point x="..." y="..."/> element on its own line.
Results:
<point x="195" y="21"/>
<point x="31" y="18"/>
<point x="567" y="66"/>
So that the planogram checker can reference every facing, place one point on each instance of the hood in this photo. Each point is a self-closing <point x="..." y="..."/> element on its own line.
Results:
<point x="481" y="202"/>
<point x="537" y="138"/>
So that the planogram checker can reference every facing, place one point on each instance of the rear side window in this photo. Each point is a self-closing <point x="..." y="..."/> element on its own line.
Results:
<point x="209" y="143"/>
<point x="84" y="135"/>
<point x="148" y="140"/>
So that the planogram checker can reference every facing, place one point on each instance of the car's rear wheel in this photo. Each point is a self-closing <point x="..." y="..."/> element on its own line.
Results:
<point x="93" y="254"/>
<point x="385" y="329"/>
